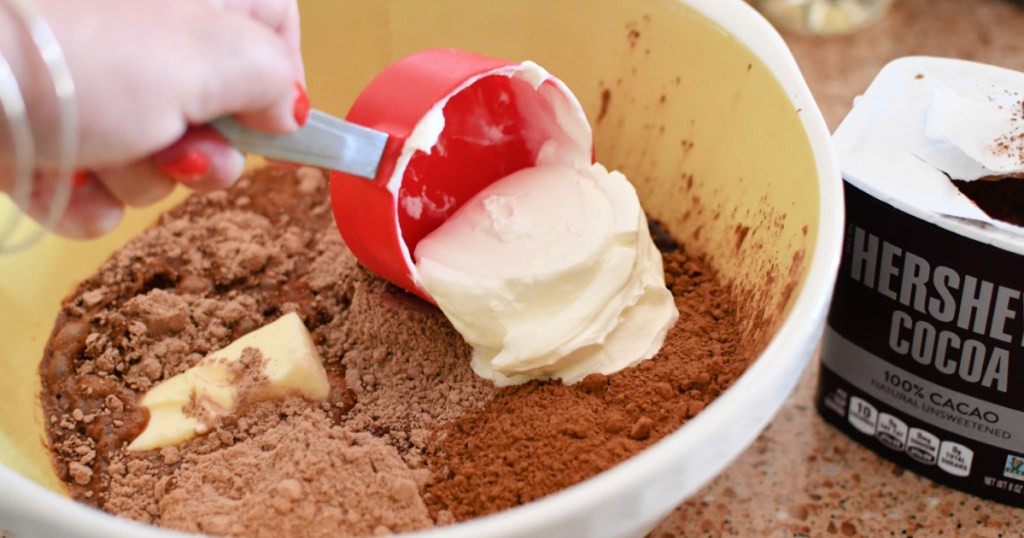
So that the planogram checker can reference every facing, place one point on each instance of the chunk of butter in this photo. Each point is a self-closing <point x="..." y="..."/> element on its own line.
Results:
<point x="291" y="365"/>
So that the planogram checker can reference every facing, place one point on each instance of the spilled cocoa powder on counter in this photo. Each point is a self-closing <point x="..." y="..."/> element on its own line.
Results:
<point x="409" y="437"/>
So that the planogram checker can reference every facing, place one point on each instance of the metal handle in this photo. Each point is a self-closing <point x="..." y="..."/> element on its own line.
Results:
<point x="324" y="141"/>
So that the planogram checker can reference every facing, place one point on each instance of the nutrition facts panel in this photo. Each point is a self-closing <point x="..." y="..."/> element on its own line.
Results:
<point x="919" y="444"/>
<point x="939" y="454"/>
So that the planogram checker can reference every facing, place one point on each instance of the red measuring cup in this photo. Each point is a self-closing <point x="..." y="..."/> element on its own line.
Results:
<point x="457" y="122"/>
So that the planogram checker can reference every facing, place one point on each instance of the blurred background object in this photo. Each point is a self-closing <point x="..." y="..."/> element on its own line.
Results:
<point x="823" y="17"/>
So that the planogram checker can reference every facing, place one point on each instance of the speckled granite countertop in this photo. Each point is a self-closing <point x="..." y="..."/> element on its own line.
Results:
<point x="802" y="477"/>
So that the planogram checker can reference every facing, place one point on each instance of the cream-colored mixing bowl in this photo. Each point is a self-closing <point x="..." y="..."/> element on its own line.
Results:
<point x="698" y="102"/>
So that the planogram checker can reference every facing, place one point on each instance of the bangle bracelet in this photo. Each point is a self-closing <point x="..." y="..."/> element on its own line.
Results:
<point x="50" y="187"/>
<point x="22" y="147"/>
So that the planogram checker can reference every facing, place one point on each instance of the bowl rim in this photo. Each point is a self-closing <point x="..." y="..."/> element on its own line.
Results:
<point x="770" y="377"/>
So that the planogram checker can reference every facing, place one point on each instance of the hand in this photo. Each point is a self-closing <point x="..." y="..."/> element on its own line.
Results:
<point x="149" y="74"/>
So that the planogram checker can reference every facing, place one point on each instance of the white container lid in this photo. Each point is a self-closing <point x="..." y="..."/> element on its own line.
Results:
<point x="926" y="120"/>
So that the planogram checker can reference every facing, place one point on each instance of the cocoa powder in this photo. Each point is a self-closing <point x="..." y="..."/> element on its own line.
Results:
<point x="284" y="469"/>
<point x="409" y="437"/>
<point x="1002" y="197"/>
<point x="535" y="439"/>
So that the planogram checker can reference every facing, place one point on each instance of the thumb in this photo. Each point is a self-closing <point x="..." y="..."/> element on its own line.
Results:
<point x="245" y="70"/>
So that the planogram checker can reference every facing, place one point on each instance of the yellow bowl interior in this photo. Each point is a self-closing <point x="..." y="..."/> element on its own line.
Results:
<point x="687" y="112"/>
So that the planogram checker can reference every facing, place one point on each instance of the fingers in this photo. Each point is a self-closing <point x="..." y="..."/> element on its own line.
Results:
<point x="92" y="210"/>
<point x="244" y="69"/>
<point x="202" y="160"/>
<point x="290" y="31"/>
<point x="263" y="120"/>
<point x="259" y="56"/>
<point x="281" y="16"/>
<point x="138" y="184"/>
<point x="202" y="60"/>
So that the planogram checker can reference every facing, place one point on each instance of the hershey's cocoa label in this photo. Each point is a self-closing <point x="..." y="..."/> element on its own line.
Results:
<point x="923" y="355"/>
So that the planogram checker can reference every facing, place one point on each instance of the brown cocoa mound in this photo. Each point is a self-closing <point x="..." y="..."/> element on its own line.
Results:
<point x="409" y="438"/>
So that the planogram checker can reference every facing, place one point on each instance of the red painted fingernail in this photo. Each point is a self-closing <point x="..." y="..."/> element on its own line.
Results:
<point x="301" y="108"/>
<point x="186" y="166"/>
<point x="80" y="178"/>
